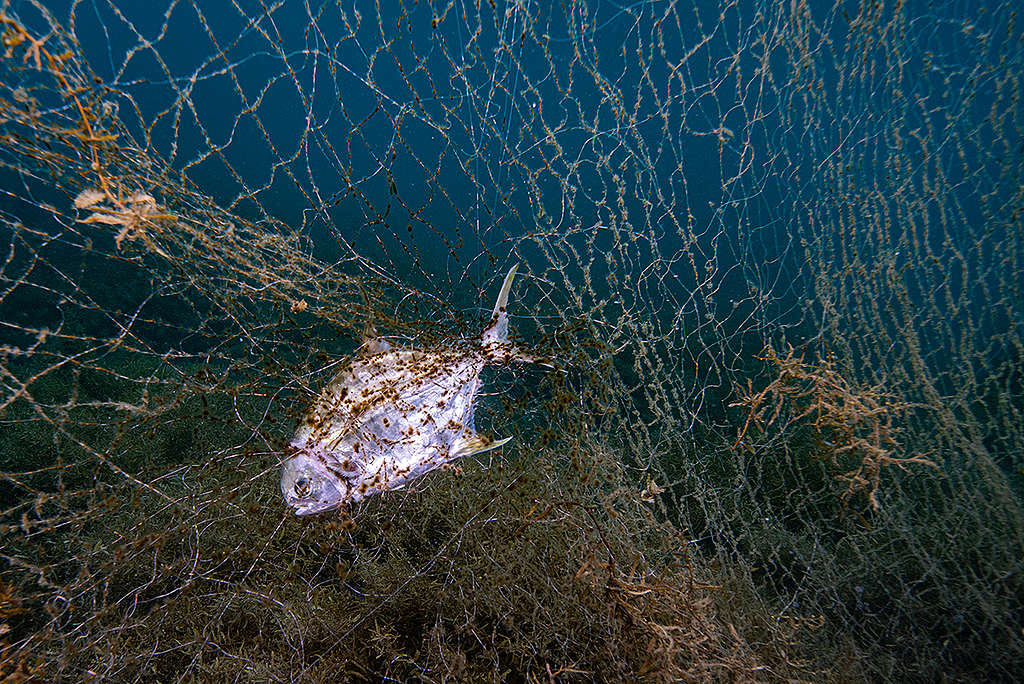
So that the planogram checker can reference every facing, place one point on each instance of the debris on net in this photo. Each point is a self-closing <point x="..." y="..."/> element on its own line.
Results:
<point x="850" y="424"/>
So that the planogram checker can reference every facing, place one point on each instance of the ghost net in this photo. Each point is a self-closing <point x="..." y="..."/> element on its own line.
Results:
<point x="773" y="252"/>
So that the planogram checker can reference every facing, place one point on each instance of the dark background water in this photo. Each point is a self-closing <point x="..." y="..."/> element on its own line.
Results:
<point x="724" y="147"/>
<point x="273" y="115"/>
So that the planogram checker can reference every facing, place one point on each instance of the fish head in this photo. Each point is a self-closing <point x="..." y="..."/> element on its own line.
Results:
<point x="309" y="487"/>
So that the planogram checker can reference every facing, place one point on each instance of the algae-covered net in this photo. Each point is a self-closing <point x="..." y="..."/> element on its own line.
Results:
<point x="771" y="252"/>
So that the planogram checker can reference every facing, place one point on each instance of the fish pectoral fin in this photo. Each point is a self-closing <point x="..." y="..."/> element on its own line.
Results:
<point x="377" y="346"/>
<point x="475" y="444"/>
<point x="372" y="344"/>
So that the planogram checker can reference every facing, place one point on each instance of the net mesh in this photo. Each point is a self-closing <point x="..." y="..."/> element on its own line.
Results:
<point x="772" y="251"/>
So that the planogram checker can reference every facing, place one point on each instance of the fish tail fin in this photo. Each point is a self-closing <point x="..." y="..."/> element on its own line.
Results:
<point x="496" y="331"/>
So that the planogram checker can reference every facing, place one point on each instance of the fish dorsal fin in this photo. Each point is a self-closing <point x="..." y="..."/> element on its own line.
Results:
<point x="497" y="328"/>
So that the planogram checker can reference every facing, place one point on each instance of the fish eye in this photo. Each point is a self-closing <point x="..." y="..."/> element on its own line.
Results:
<point x="302" y="487"/>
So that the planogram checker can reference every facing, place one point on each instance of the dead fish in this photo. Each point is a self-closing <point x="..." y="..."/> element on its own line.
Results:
<point x="391" y="416"/>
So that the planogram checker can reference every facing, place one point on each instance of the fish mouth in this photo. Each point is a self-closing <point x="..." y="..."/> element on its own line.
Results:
<point x="313" y="508"/>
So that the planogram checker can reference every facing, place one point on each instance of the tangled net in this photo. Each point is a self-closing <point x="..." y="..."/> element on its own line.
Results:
<point x="203" y="209"/>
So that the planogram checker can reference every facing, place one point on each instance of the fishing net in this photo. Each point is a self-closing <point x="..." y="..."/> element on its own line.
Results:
<point x="771" y="252"/>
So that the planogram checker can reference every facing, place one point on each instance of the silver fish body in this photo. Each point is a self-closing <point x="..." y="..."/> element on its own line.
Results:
<point x="391" y="416"/>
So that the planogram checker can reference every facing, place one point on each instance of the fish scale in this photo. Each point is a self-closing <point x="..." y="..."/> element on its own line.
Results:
<point x="390" y="416"/>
